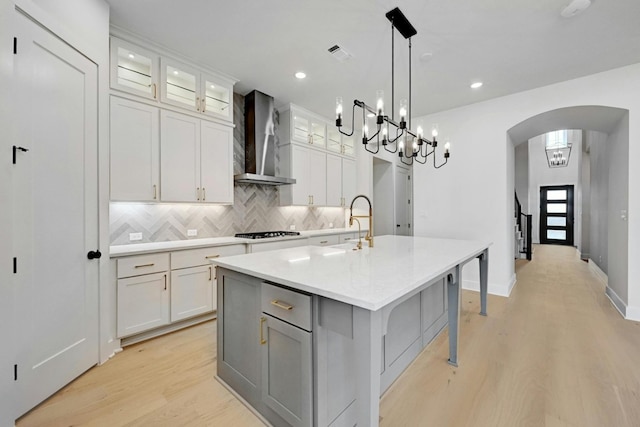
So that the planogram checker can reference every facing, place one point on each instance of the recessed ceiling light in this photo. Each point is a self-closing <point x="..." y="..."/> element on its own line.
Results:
<point x="131" y="55"/>
<point x="300" y="75"/>
<point x="175" y="72"/>
<point x="476" y="85"/>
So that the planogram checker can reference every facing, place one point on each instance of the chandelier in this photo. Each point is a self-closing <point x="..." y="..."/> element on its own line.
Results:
<point x="395" y="136"/>
<point x="557" y="149"/>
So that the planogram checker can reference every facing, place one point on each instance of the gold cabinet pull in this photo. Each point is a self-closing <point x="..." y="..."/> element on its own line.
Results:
<point x="322" y="242"/>
<point x="204" y="194"/>
<point x="165" y="282"/>
<point x="155" y="191"/>
<point x="198" y="193"/>
<point x="262" y="340"/>
<point x="210" y="273"/>
<point x="155" y="92"/>
<point x="204" y="104"/>
<point x="145" y="265"/>
<point x="212" y="256"/>
<point x="282" y="305"/>
<point x="198" y="103"/>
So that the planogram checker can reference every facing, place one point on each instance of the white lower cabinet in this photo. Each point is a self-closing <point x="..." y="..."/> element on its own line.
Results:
<point x="332" y="239"/>
<point x="143" y="303"/>
<point x="191" y="292"/>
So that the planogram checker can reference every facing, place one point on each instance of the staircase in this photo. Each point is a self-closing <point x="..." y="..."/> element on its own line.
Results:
<point x="522" y="232"/>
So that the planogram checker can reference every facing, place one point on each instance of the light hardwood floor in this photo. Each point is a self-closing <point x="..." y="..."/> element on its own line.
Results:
<point x="556" y="353"/>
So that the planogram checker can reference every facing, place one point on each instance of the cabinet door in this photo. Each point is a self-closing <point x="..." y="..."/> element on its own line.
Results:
<point x="334" y="180"/>
<point x="135" y="148"/>
<point x="191" y="292"/>
<point x="179" y="157"/>
<point x="300" y="127"/>
<point x="216" y="163"/>
<point x="180" y="85"/>
<point x="348" y="146"/>
<point x="143" y="303"/>
<point x="287" y="371"/>
<point x="301" y="194"/>
<point x="217" y="98"/>
<point x="133" y="69"/>
<point x="318" y="133"/>
<point x="348" y="181"/>
<point x="317" y="167"/>
<point x="334" y="139"/>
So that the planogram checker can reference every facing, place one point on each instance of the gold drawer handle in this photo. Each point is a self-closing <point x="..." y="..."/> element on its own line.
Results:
<point x="145" y="265"/>
<point x="282" y="305"/>
<point x="262" y="340"/>
<point x="322" y="242"/>
<point x="212" y="256"/>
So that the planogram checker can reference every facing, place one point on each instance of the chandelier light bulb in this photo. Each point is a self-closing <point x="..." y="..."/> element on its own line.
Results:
<point x="415" y="146"/>
<point x="420" y="132"/>
<point x="339" y="107"/>
<point x="365" y="130"/>
<point x="401" y="146"/>
<point x="434" y="131"/>
<point x="447" y="147"/>
<point x="380" y="102"/>
<point x="403" y="110"/>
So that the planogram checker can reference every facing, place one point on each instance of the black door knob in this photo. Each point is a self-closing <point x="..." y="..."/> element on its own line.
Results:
<point x="94" y="254"/>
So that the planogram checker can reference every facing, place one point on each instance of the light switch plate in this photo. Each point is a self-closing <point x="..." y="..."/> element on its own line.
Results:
<point x="135" y="236"/>
<point x="192" y="232"/>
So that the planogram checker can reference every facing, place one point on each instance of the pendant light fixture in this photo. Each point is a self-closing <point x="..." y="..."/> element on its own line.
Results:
<point x="395" y="136"/>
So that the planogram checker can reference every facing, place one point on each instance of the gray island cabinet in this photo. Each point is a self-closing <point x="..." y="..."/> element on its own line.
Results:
<point x="312" y="336"/>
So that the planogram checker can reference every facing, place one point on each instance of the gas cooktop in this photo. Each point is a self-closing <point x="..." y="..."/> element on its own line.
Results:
<point x="267" y="234"/>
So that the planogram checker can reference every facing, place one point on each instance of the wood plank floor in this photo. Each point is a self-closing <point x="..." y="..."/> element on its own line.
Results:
<point x="556" y="353"/>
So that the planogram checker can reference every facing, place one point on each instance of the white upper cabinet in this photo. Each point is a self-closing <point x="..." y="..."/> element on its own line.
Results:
<point x="186" y="87"/>
<point x="133" y="69"/>
<point x="309" y="167"/>
<point x="341" y="180"/>
<point x="134" y="151"/>
<point x="307" y="129"/>
<point x="196" y="160"/>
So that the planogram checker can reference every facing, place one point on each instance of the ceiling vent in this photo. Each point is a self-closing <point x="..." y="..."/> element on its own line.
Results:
<point x="339" y="53"/>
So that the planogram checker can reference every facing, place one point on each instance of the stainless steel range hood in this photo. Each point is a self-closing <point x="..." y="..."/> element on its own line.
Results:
<point x="259" y="148"/>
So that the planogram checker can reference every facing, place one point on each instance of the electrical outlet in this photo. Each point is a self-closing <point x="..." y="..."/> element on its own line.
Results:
<point x="135" y="236"/>
<point x="192" y="232"/>
<point x="292" y="227"/>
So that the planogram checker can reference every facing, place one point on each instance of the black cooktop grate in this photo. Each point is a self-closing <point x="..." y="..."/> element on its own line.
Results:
<point x="267" y="234"/>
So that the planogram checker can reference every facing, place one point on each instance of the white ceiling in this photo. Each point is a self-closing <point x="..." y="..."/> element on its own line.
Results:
<point x="510" y="45"/>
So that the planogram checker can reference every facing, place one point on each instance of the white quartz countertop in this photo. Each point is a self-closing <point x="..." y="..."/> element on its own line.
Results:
<point x="369" y="278"/>
<point x="144" y="248"/>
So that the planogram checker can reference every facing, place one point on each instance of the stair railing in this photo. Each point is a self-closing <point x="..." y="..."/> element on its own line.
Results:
<point x="524" y="225"/>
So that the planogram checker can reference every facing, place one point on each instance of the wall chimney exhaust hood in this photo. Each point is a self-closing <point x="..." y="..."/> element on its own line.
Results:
<point x="259" y="125"/>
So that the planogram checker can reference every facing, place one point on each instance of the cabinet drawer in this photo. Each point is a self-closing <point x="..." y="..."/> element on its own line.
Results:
<point x="348" y="237"/>
<point x="196" y="257"/>
<point x="290" y="306"/>
<point x="282" y="244"/>
<point x="324" y="240"/>
<point x="142" y="264"/>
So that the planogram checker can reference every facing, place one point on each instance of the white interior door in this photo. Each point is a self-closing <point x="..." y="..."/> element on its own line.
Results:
<point x="55" y="206"/>
<point x="403" y="201"/>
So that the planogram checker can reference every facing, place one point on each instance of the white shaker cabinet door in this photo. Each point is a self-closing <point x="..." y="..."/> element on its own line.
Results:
<point x="334" y="180"/>
<point x="143" y="303"/>
<point x="179" y="157"/>
<point x="318" y="177"/>
<point x="301" y="194"/>
<point x="216" y="163"/>
<point x="191" y="292"/>
<point x="135" y="151"/>
<point x="348" y="181"/>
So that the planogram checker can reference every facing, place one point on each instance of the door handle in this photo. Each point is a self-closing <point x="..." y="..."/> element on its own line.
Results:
<point x="398" y="225"/>
<point x="94" y="254"/>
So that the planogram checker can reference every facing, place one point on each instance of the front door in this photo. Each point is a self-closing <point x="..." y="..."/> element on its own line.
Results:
<point x="556" y="215"/>
<point x="55" y="215"/>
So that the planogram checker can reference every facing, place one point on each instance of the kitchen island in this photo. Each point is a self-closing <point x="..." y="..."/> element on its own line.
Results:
<point x="314" y="335"/>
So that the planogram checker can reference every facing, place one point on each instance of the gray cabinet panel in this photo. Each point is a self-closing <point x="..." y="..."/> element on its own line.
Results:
<point x="287" y="371"/>
<point x="238" y="329"/>
<point x="403" y="329"/>
<point x="434" y="310"/>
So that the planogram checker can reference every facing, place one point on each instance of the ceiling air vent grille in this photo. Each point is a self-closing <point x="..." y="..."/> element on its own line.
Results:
<point x="339" y="53"/>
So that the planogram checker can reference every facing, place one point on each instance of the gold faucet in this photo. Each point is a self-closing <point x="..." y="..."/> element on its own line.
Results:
<point x="369" y="236"/>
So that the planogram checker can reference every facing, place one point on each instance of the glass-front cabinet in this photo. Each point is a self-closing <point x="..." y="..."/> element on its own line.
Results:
<point x="334" y="139"/>
<point x="348" y="146"/>
<point x="308" y="129"/>
<point x="186" y="87"/>
<point x="134" y="69"/>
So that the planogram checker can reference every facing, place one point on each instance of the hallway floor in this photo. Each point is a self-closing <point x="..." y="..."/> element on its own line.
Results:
<point x="556" y="353"/>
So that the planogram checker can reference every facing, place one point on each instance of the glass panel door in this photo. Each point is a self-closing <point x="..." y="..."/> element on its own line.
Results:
<point x="334" y="142"/>
<point x="133" y="69"/>
<point x="216" y="98"/>
<point x="348" y="145"/>
<point x="300" y="129"/>
<point x="318" y="133"/>
<point x="556" y="215"/>
<point x="180" y="85"/>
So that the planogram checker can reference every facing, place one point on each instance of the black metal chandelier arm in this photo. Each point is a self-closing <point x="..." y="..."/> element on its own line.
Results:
<point x="398" y="135"/>
<point x="406" y="163"/>
<point x="371" y="151"/>
<point x="424" y="159"/>
<point x="353" y="128"/>
<point x="446" y="159"/>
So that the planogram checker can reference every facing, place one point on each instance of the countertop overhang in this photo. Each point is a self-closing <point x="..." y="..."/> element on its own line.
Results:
<point x="369" y="278"/>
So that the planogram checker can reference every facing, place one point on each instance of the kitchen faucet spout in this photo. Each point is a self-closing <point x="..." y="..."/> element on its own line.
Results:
<point x="369" y="236"/>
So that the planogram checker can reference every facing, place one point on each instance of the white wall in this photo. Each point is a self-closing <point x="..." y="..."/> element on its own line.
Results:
<point x="618" y="240"/>
<point x="585" y="180"/>
<point x="599" y="199"/>
<point x="467" y="199"/>
<point x="540" y="175"/>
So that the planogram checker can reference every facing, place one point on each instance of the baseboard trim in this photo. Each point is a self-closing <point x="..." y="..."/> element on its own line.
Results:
<point x="494" y="289"/>
<point x="585" y="255"/>
<point x="616" y="301"/>
<point x="143" y="336"/>
<point x="598" y="272"/>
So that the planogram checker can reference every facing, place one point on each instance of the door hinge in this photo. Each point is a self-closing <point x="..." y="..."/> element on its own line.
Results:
<point x="15" y="45"/>
<point x="408" y="177"/>
<point x="409" y="225"/>
<point x="15" y="372"/>
<point x="15" y="265"/>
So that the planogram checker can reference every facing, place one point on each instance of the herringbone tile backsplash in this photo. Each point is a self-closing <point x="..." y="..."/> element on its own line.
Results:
<point x="255" y="208"/>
